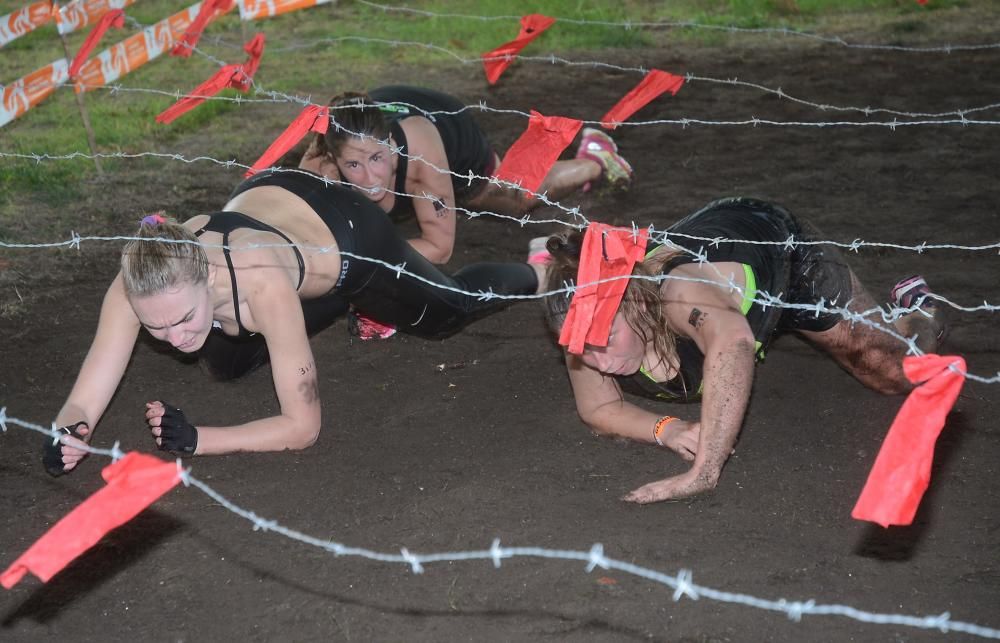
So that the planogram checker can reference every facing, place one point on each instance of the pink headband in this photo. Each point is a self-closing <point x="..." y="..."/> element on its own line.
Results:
<point x="607" y="253"/>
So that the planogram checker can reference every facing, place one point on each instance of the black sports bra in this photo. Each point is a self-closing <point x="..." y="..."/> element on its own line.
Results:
<point x="227" y="221"/>
<point x="400" y="138"/>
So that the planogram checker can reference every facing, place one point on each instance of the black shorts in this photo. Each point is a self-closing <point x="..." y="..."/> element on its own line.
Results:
<point x="817" y="273"/>
<point x="806" y="274"/>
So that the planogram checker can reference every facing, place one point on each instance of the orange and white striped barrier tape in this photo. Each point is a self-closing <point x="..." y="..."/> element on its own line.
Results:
<point x="80" y="13"/>
<point x="26" y="19"/>
<point x="135" y="51"/>
<point x="25" y="93"/>
<point x="257" y="9"/>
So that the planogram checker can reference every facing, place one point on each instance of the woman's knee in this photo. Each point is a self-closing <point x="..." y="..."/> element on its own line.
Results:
<point x="880" y="368"/>
<point x="501" y="200"/>
<point x="870" y="356"/>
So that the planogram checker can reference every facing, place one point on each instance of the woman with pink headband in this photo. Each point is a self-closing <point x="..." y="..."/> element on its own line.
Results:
<point x="693" y="324"/>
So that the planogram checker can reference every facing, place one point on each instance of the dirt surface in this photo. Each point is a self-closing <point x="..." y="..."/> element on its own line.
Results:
<point x="447" y="459"/>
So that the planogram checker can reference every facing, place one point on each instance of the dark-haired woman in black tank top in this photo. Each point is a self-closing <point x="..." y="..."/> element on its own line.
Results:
<point x="400" y="140"/>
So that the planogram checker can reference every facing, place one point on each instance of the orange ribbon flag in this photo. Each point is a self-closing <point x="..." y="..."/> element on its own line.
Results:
<point x="311" y="119"/>
<point x="254" y="49"/>
<point x="206" y="13"/>
<point x="902" y="469"/>
<point x="236" y="76"/>
<point x="533" y="154"/>
<point x="134" y="483"/>
<point x="499" y="59"/>
<point x="607" y="252"/>
<point x="652" y="85"/>
<point x="114" y="19"/>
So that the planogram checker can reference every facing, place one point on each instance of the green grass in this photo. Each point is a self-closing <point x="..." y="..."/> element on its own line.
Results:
<point x="124" y="121"/>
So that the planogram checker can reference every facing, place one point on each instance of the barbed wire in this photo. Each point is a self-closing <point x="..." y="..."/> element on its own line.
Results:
<point x="888" y="316"/>
<point x="552" y="59"/>
<point x="937" y="118"/>
<point x="656" y="234"/>
<point x="682" y="583"/>
<point x="689" y="24"/>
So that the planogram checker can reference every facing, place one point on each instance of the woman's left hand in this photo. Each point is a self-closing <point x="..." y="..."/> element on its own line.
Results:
<point x="682" y="437"/>
<point x="170" y="428"/>
<point x="683" y="486"/>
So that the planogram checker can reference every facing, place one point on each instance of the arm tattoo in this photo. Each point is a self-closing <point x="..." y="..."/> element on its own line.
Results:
<point x="306" y="369"/>
<point x="440" y="209"/>
<point x="309" y="390"/>
<point x="697" y="318"/>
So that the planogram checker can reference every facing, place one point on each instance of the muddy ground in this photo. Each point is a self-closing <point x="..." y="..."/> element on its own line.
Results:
<point x="490" y="447"/>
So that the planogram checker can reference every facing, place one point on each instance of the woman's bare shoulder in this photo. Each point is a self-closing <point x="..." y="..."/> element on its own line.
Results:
<point x="421" y="134"/>
<point x="197" y="222"/>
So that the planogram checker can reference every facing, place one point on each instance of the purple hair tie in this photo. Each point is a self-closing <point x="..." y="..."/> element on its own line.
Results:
<point x="152" y="219"/>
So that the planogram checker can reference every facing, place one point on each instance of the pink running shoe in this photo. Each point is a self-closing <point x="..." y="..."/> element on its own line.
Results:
<point x="600" y="148"/>
<point x="537" y="253"/>
<point x="910" y="292"/>
<point x="366" y="328"/>
<point x="913" y="292"/>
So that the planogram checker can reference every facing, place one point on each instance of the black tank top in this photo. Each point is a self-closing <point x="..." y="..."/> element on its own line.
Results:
<point x="465" y="145"/>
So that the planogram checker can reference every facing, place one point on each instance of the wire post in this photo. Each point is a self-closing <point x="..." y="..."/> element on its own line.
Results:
<point x="82" y="107"/>
<point x="244" y="30"/>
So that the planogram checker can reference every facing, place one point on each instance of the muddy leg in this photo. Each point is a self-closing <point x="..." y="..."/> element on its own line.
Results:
<point x="873" y="357"/>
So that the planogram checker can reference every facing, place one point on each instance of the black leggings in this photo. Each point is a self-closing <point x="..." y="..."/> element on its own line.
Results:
<point x="416" y="305"/>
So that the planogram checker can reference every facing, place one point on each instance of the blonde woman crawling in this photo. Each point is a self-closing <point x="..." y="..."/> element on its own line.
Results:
<point x="251" y="284"/>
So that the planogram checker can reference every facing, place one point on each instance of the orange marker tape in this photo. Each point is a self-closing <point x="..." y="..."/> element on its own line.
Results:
<point x="257" y="9"/>
<point x="135" y="51"/>
<point x="25" y="93"/>
<point x="80" y="13"/>
<point x="24" y="20"/>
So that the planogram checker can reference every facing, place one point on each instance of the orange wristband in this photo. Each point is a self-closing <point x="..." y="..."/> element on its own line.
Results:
<point x="660" y="425"/>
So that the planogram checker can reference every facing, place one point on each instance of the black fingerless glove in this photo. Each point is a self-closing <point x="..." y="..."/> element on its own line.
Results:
<point x="52" y="450"/>
<point x="176" y="433"/>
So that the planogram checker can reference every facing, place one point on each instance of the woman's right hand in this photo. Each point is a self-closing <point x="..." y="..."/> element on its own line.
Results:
<point x="63" y="457"/>
<point x="682" y="436"/>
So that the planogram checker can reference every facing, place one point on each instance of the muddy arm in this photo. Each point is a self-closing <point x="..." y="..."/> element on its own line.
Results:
<point x="602" y="407"/>
<point x="703" y="313"/>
